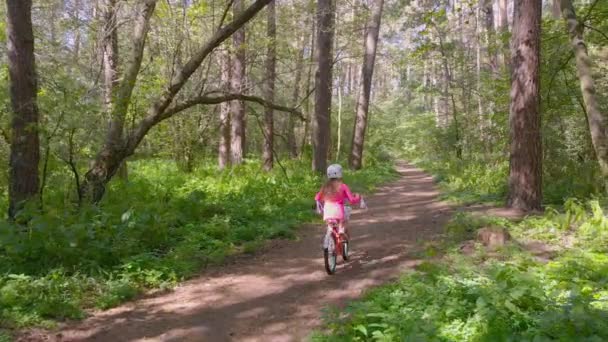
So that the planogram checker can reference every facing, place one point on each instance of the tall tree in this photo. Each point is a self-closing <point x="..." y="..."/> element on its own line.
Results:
<point x="367" y="71"/>
<point x="321" y="129"/>
<point x="271" y="60"/>
<point x="111" y="155"/>
<point x="237" y="145"/>
<point x="525" y="164"/>
<point x="224" y="141"/>
<point x="109" y="44"/>
<point x="291" y="124"/>
<point x="503" y="24"/>
<point x="596" y="119"/>
<point x="25" y="143"/>
<point x="110" y="158"/>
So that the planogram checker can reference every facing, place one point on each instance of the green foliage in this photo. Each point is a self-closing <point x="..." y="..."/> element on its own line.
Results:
<point x="4" y="336"/>
<point x="508" y="297"/>
<point x="162" y="226"/>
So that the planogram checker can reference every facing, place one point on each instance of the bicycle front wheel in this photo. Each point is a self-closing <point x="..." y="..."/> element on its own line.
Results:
<point x="345" y="250"/>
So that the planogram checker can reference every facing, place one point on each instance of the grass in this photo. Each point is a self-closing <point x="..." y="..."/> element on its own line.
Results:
<point x="507" y="295"/>
<point x="158" y="229"/>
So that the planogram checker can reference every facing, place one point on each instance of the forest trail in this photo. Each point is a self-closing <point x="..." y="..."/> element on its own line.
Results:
<point x="279" y="294"/>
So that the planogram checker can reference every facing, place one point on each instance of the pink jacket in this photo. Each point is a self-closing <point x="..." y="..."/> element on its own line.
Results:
<point x="333" y="208"/>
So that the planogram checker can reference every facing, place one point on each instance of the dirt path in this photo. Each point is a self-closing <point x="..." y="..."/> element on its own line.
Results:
<point x="279" y="295"/>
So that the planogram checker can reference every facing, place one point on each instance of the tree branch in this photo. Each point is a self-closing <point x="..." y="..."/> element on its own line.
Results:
<point x="596" y="30"/>
<point x="226" y="97"/>
<point x="157" y="109"/>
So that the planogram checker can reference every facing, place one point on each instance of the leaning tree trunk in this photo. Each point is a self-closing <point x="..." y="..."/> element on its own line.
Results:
<point x="224" y="141"/>
<point x="525" y="164"/>
<point x="271" y="61"/>
<point x="109" y="44"/>
<point x="25" y="143"/>
<point x="595" y="118"/>
<point x="114" y="152"/>
<point x="323" y="85"/>
<point x="109" y="158"/>
<point x="237" y="145"/>
<point x="367" y="71"/>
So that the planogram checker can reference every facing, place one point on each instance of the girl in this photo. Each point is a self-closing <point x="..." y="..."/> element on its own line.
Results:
<point x="332" y="195"/>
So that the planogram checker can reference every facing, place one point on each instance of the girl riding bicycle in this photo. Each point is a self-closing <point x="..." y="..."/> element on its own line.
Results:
<point x="330" y="199"/>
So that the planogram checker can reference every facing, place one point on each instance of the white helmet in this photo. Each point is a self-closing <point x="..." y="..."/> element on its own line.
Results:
<point x="334" y="171"/>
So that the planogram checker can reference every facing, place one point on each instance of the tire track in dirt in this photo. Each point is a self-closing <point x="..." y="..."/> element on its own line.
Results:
<point x="279" y="294"/>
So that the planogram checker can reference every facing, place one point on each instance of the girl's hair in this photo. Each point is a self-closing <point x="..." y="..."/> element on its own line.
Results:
<point x="331" y="187"/>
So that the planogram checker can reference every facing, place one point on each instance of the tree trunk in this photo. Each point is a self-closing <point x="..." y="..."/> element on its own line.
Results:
<point x="113" y="153"/>
<point x="25" y="143"/>
<point x="480" y="109"/>
<point x="339" y="138"/>
<point x="237" y="145"/>
<point x="224" y="141"/>
<point x="367" y="71"/>
<point x="306" y="136"/>
<point x="525" y="164"/>
<point x="444" y="97"/>
<point x="77" y="7"/>
<point x="323" y="85"/>
<point x="271" y="60"/>
<point x="109" y="44"/>
<point x="291" y="125"/>
<point x="490" y="34"/>
<point x="556" y="9"/>
<point x="595" y="118"/>
<point x="504" y="28"/>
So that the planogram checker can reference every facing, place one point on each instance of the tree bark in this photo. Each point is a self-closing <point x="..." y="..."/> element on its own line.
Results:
<point x="109" y="44"/>
<point x="321" y="128"/>
<point x="306" y="136"/>
<point x="224" y="141"/>
<point x="596" y="120"/>
<point x="556" y="9"/>
<point x="490" y="33"/>
<point x="504" y="28"/>
<point x="271" y="60"/>
<point x="292" y="145"/>
<point x="237" y="145"/>
<point x="25" y="143"/>
<point x="525" y="164"/>
<point x="367" y="71"/>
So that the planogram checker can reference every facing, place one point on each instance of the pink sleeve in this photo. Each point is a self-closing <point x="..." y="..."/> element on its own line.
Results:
<point x="351" y="198"/>
<point x="319" y="196"/>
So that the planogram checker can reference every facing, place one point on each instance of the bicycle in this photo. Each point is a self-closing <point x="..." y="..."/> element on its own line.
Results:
<point x="335" y="244"/>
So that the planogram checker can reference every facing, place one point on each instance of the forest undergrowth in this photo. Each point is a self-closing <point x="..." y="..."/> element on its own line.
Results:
<point x="159" y="228"/>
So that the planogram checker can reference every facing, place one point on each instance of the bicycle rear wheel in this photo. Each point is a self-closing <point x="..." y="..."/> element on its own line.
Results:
<point x="330" y="257"/>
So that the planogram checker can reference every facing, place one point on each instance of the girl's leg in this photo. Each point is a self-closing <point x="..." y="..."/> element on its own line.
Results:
<point x="344" y="229"/>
